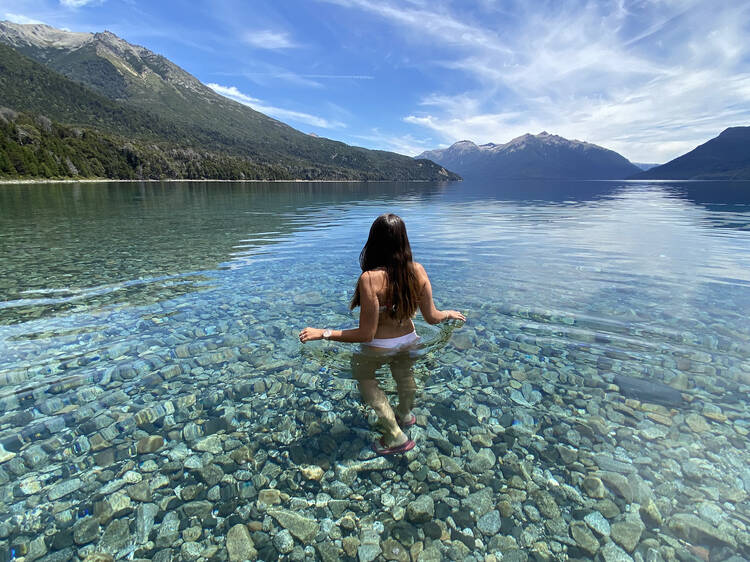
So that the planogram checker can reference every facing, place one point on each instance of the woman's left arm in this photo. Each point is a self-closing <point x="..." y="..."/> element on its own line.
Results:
<point x="368" y="318"/>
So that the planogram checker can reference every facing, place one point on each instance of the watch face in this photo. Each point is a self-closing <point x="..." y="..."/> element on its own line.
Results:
<point x="326" y="334"/>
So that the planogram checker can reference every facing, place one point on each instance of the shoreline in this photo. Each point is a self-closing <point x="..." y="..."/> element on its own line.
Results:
<point x="94" y="180"/>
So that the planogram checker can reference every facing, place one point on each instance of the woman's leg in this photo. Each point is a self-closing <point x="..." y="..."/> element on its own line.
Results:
<point x="363" y="370"/>
<point x="401" y="369"/>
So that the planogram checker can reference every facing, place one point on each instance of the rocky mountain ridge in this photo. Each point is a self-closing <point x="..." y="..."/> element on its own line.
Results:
<point x="136" y="94"/>
<point x="541" y="156"/>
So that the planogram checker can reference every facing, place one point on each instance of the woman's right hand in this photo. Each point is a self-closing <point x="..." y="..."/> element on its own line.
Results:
<point x="310" y="334"/>
<point x="454" y="315"/>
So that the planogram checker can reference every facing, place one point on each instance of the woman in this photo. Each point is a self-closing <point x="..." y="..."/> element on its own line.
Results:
<point x="389" y="291"/>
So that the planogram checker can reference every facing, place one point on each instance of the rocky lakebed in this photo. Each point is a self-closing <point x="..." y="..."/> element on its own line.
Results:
<point x="185" y="454"/>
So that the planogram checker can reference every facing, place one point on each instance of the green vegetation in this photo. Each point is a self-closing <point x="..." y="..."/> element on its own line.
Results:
<point x="34" y="146"/>
<point x="176" y="133"/>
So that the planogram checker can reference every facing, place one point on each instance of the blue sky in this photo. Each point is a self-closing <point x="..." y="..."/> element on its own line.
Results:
<point x="650" y="79"/>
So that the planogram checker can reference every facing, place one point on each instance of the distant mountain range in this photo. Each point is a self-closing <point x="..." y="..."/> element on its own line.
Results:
<point x="726" y="157"/>
<point x="542" y="156"/>
<point x="645" y="166"/>
<point x="124" y="109"/>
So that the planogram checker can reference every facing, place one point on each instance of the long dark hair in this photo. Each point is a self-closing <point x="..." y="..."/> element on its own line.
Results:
<point x="388" y="247"/>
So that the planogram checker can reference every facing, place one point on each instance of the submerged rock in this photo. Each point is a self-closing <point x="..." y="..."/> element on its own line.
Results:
<point x="301" y="527"/>
<point x="240" y="545"/>
<point x="692" y="528"/>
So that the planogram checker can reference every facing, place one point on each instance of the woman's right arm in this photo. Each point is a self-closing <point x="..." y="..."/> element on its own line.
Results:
<point x="427" y="306"/>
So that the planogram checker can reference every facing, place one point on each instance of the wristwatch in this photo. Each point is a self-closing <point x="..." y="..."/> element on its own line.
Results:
<point x="326" y="333"/>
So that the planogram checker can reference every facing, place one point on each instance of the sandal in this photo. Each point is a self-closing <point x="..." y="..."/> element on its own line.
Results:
<point x="384" y="449"/>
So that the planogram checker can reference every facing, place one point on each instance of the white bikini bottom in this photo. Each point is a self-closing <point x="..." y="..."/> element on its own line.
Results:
<point x="400" y="342"/>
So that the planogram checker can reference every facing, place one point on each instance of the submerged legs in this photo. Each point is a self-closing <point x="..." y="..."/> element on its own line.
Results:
<point x="405" y="386"/>
<point x="363" y="369"/>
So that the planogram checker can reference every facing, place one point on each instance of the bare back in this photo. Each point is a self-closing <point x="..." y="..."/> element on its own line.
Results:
<point x="389" y="327"/>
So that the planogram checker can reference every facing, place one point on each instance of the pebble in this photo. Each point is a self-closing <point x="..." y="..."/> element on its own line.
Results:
<point x="301" y="527"/>
<point x="583" y="537"/>
<point x="284" y="542"/>
<point x="421" y="509"/>
<point x="240" y="545"/>
<point x="62" y="489"/>
<point x="598" y="523"/>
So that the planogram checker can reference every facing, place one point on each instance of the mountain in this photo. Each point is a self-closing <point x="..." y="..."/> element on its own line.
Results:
<point x="726" y="157"/>
<point x="645" y="165"/>
<point x="100" y="81"/>
<point x="541" y="156"/>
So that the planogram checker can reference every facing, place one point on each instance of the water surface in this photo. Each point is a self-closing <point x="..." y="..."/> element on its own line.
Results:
<point x="150" y="374"/>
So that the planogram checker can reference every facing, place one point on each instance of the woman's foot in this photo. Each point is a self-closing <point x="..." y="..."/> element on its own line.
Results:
<point x="391" y="446"/>
<point x="407" y="421"/>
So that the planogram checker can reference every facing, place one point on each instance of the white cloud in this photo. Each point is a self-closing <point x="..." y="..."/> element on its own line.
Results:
<point x="402" y="144"/>
<point x="269" y="39"/>
<point x="77" y="3"/>
<point x="20" y="18"/>
<point x="649" y="80"/>
<point x="232" y="92"/>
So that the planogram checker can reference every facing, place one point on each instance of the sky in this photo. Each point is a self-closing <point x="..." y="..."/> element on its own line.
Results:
<point x="648" y="79"/>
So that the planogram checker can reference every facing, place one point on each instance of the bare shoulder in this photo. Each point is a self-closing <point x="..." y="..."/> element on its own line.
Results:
<point x="419" y="270"/>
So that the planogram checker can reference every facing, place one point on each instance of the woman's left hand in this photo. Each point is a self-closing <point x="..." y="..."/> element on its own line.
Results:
<point x="310" y="334"/>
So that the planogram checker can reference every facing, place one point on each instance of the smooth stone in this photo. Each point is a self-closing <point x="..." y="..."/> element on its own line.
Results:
<point x="594" y="487"/>
<point x="546" y="504"/>
<point x="149" y="444"/>
<point x="484" y="460"/>
<point x="115" y="537"/>
<point x="327" y="551"/>
<point x="284" y="542"/>
<point x="86" y="530"/>
<point x="650" y="514"/>
<point x="394" y="550"/>
<point x="62" y="489"/>
<point x="191" y="550"/>
<point x="489" y="523"/>
<point x="269" y="496"/>
<point x="301" y="527"/>
<point x="144" y="521"/>
<point x="618" y="484"/>
<point x="607" y="508"/>
<point x="697" y="423"/>
<point x="350" y="546"/>
<point x="140" y="492"/>
<point x="210" y="444"/>
<point x="626" y="534"/>
<point x="312" y="472"/>
<point x="240" y="545"/>
<point x="421" y="509"/>
<point x="98" y="557"/>
<point x="430" y="554"/>
<point x="694" y="529"/>
<point x="368" y="552"/>
<point x="598" y="523"/>
<point x="478" y="503"/>
<point x="584" y="537"/>
<point x="168" y="530"/>
<point x="613" y="553"/>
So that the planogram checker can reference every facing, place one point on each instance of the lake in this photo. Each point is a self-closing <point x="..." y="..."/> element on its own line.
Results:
<point x="155" y="402"/>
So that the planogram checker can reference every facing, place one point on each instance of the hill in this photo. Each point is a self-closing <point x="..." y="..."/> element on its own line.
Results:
<point x="100" y="81"/>
<point x="726" y="157"/>
<point x="541" y="156"/>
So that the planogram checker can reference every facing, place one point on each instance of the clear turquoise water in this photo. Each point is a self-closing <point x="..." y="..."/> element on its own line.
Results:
<point x="171" y="310"/>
